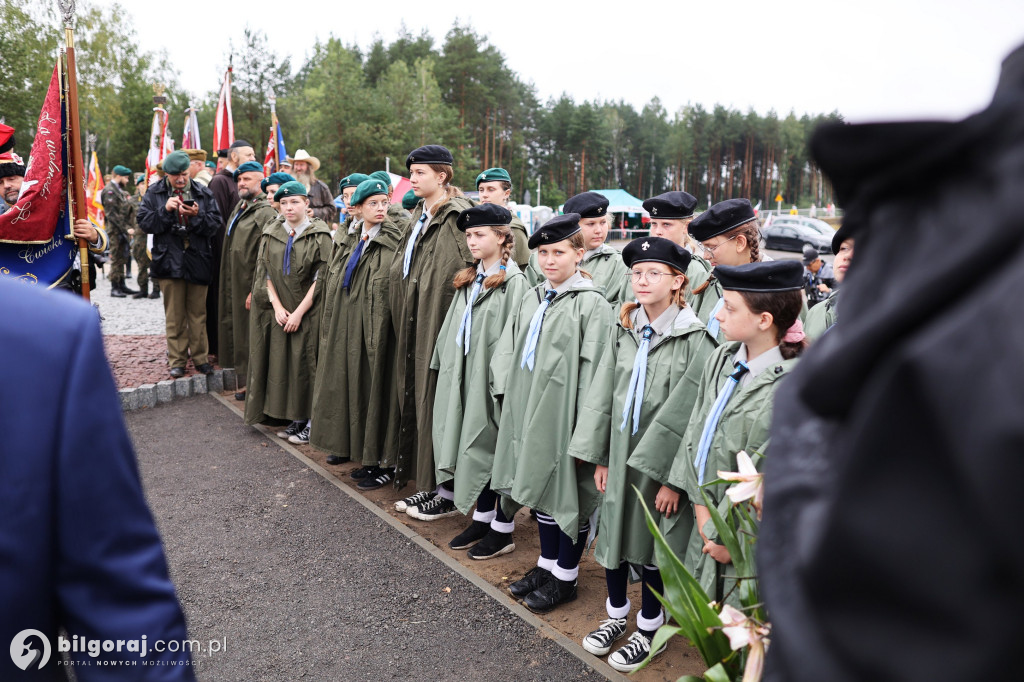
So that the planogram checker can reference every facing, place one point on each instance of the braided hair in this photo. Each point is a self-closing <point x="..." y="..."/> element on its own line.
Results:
<point x="467" y="275"/>
<point x="750" y="232"/>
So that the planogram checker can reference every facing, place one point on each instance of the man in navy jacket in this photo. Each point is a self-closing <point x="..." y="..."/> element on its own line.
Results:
<point x="78" y="546"/>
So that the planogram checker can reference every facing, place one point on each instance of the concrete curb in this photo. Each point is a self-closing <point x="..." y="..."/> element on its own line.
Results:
<point x="151" y="395"/>
<point x="593" y="662"/>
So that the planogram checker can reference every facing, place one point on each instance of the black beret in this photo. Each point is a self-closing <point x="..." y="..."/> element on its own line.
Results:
<point x="772" y="275"/>
<point x="720" y="218"/>
<point x="588" y="205"/>
<point x="239" y="143"/>
<point x="558" y="229"/>
<point x="844" y="232"/>
<point x="656" y="250"/>
<point x="222" y="153"/>
<point x="671" y="205"/>
<point x="432" y="153"/>
<point x="483" y="216"/>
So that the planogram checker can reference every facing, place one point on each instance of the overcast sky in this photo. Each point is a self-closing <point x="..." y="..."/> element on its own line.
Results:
<point x="869" y="59"/>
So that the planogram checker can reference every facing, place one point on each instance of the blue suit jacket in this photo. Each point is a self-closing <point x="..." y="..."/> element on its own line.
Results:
<point x="78" y="546"/>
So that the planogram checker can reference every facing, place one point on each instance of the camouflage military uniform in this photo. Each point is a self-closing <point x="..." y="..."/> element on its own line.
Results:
<point x="119" y="216"/>
<point x="140" y="250"/>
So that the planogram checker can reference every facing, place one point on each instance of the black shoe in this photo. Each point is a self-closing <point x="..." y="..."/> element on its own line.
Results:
<point x="143" y="292"/>
<point x="205" y="368"/>
<point x="637" y="649"/>
<point x="240" y="395"/>
<point x="116" y="292"/>
<point x="533" y="579"/>
<point x="472" y="535"/>
<point x="437" y="508"/>
<point x="155" y="293"/>
<point x="291" y="429"/>
<point x="381" y="479"/>
<point x="550" y="595"/>
<point x="493" y="544"/>
<point x="415" y="500"/>
<point x="364" y="472"/>
<point x="336" y="459"/>
<point x="177" y="372"/>
<point x="126" y="290"/>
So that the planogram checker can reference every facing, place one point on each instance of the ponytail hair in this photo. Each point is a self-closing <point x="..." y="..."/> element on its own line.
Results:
<point x="750" y="232"/>
<point x="577" y="242"/>
<point x="450" y="190"/>
<point x="784" y="307"/>
<point x="678" y="299"/>
<point x="466" y="276"/>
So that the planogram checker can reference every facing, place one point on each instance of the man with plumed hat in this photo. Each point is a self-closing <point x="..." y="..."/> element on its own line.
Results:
<point x="238" y="263"/>
<point x="494" y="186"/>
<point x="671" y="214"/>
<point x="119" y="215"/>
<point x="183" y="218"/>
<point x="225" y="191"/>
<point x="321" y="201"/>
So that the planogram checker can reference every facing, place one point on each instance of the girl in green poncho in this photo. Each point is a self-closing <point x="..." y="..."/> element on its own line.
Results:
<point x="760" y="318"/>
<point x="466" y="416"/>
<point x="542" y="370"/>
<point x="652" y="362"/>
<point x="284" y="321"/>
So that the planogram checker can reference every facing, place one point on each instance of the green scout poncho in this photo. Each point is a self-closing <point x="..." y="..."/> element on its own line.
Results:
<point x="398" y="216"/>
<point x="744" y="425"/>
<point x="532" y="466"/>
<point x="419" y="304"/>
<point x="674" y="367"/>
<point x="465" y="414"/>
<point x="237" y="265"/>
<point x="821" y="317"/>
<point x="282" y="366"/>
<point x="521" y="250"/>
<point x="354" y="389"/>
<point x="696" y="272"/>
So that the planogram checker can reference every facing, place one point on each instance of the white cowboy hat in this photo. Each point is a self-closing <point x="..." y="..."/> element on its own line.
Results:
<point x="303" y="155"/>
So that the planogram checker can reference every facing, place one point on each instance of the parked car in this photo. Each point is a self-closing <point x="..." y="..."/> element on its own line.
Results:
<point x="792" y="237"/>
<point x="813" y="223"/>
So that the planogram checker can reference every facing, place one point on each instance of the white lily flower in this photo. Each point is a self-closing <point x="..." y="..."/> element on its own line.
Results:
<point x="743" y="632"/>
<point x="750" y="482"/>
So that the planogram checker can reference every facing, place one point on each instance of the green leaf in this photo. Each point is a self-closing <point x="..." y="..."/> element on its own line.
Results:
<point x="717" y="673"/>
<point x="661" y="637"/>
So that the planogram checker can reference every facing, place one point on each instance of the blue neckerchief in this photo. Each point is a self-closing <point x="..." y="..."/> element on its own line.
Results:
<point x="708" y="434"/>
<point x="637" y="380"/>
<point x="713" y="324"/>
<point x="466" y="325"/>
<point x="530" y="349"/>
<point x="238" y="217"/>
<point x="353" y="260"/>
<point x="407" y="260"/>
<point x="287" y="265"/>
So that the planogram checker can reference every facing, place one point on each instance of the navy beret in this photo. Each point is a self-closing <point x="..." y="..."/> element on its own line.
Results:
<point x="249" y="167"/>
<point x="239" y="143"/>
<point x="772" y="275"/>
<point x="483" y="216"/>
<point x="558" y="229"/>
<point x="588" y="205"/>
<point x="671" y="205"/>
<point x="432" y="153"/>
<point x="720" y="218"/>
<point x="656" y="250"/>
<point x="842" y="234"/>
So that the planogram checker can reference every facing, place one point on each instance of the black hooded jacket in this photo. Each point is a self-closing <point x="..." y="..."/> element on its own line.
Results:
<point x="180" y="254"/>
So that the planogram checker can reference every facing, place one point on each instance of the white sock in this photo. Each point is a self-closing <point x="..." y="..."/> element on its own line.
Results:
<point x="546" y="564"/>
<point x="565" y="574"/>
<point x="486" y="517"/>
<point x="617" y="611"/>
<point x="652" y="624"/>
<point x="500" y="527"/>
<point x="445" y="493"/>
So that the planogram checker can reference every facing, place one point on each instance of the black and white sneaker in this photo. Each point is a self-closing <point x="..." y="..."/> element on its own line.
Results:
<point x="300" y="438"/>
<point x="437" y="508"/>
<point x="599" y="642"/>
<point x="493" y="544"/>
<point x="291" y="430"/>
<point x="380" y="479"/>
<point x="628" y="658"/>
<point x="472" y="535"/>
<point x="414" y="500"/>
<point x="365" y="472"/>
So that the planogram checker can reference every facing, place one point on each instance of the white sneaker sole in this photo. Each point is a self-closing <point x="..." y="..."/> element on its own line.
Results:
<point x="600" y="651"/>
<point x="401" y="506"/>
<point x="507" y="549"/>
<point x="417" y="514"/>
<point x="625" y="668"/>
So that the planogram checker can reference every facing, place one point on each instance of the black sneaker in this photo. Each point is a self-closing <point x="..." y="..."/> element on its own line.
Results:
<point x="599" y="642"/>
<point x="300" y="438"/>
<point x="382" y="478"/>
<point x="551" y="594"/>
<point x="628" y="658"/>
<point x="472" y="535"/>
<point x="533" y="579"/>
<point x="414" y="500"/>
<point x="291" y="430"/>
<point x="437" y="508"/>
<point x="336" y="459"/>
<point x="493" y="544"/>
<point x="364" y="472"/>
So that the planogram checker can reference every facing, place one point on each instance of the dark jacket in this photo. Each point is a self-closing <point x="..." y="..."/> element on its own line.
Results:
<point x="890" y="547"/>
<point x="225" y="191"/>
<point x="180" y="253"/>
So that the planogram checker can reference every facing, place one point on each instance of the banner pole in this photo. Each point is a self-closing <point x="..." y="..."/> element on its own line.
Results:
<point x="76" y="182"/>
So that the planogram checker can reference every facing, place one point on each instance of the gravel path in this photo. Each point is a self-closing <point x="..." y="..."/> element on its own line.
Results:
<point x="304" y="583"/>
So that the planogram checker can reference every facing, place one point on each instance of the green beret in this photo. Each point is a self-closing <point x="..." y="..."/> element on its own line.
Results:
<point x="494" y="175"/>
<point x="410" y="200"/>
<point x="290" y="189"/>
<point x="278" y="179"/>
<point x="368" y="188"/>
<point x="352" y="181"/>
<point x="249" y="167"/>
<point x="122" y="170"/>
<point x="211" y="164"/>
<point x="176" y="163"/>
<point x="383" y="176"/>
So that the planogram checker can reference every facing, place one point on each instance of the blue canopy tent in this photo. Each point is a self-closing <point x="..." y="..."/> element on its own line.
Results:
<point x="631" y="210"/>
